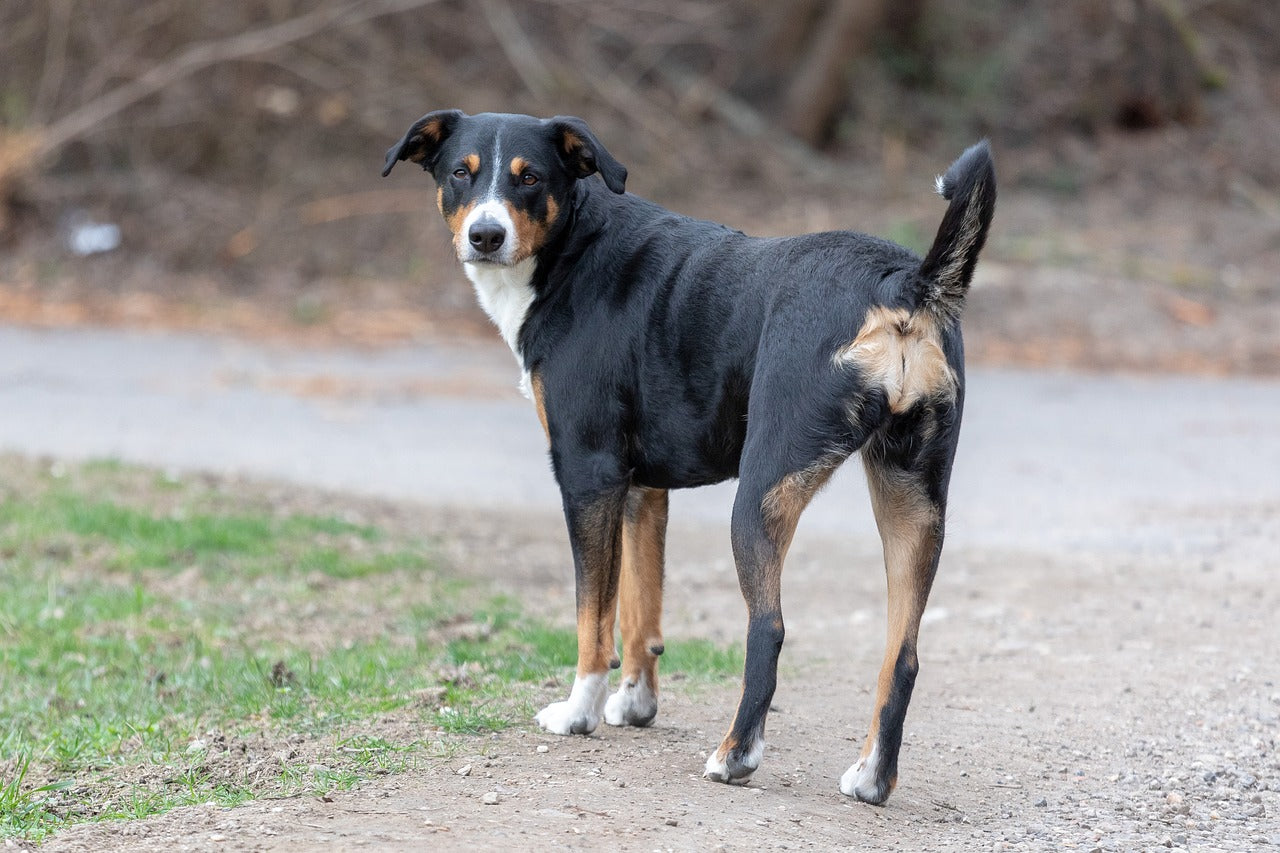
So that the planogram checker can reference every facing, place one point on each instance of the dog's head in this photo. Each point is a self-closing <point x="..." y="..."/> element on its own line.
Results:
<point x="504" y="182"/>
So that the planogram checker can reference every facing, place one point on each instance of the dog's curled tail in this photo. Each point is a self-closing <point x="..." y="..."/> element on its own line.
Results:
<point x="970" y="186"/>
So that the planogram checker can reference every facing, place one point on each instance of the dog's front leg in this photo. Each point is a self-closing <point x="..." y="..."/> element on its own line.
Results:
<point x="644" y="531"/>
<point x="594" y="515"/>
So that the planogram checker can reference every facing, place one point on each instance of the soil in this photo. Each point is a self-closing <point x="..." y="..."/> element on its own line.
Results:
<point x="1093" y="700"/>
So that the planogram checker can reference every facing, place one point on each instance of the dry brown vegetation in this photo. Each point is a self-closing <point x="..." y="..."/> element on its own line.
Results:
<point x="238" y="144"/>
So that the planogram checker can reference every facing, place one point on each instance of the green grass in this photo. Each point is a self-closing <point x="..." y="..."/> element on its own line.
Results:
<point x="138" y="539"/>
<point x="703" y="659"/>
<point x="156" y="631"/>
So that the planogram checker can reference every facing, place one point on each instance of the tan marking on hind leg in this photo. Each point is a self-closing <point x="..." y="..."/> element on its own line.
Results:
<point x="910" y="530"/>
<point x="780" y="511"/>
<point x="784" y="503"/>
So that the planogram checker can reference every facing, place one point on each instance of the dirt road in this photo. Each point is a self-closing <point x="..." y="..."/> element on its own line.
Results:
<point x="1098" y="663"/>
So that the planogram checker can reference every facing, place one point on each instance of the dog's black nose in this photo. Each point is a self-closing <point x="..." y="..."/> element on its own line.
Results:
<point x="486" y="236"/>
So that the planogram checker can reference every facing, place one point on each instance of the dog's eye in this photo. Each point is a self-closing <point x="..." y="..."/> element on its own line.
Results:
<point x="461" y="174"/>
<point x="528" y="179"/>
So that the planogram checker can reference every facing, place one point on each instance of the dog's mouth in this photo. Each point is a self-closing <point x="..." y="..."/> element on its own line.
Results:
<point x="488" y="260"/>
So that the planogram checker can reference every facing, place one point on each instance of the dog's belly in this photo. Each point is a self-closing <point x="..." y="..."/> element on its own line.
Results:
<point x="680" y="446"/>
<point x="677" y="474"/>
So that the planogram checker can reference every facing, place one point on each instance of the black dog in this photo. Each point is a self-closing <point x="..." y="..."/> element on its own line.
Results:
<point x="664" y="352"/>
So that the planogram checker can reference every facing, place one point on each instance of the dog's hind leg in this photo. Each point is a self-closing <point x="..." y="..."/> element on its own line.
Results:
<point x="644" y="528"/>
<point x="908" y="468"/>
<point x="765" y="513"/>
<point x="594" y="512"/>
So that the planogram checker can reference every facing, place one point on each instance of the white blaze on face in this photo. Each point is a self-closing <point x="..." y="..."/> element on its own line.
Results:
<point x="503" y="289"/>
<point x="490" y="207"/>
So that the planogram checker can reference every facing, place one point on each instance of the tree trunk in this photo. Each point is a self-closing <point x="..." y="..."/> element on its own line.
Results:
<point x="818" y="88"/>
<point x="1159" y="80"/>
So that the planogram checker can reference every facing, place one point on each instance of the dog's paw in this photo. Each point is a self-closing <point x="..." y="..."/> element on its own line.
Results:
<point x="635" y="704"/>
<point x="860" y="780"/>
<point x="580" y="713"/>
<point x="562" y="718"/>
<point x="734" y="766"/>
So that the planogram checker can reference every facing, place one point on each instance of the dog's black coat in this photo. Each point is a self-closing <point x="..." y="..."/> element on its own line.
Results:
<point x="668" y="352"/>
<point x="671" y="318"/>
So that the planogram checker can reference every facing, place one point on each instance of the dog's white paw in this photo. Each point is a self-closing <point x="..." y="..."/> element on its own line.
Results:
<point x="635" y="704"/>
<point x="860" y="779"/>
<point x="734" y="769"/>
<point x="580" y="713"/>
<point x="717" y="769"/>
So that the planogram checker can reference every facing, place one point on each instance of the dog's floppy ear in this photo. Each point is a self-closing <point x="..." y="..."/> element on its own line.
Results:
<point x="584" y="155"/>
<point x="421" y="142"/>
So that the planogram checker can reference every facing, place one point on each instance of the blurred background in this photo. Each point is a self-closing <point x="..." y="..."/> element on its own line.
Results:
<point x="182" y="164"/>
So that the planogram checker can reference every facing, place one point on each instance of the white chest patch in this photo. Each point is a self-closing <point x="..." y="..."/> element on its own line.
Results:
<point x="505" y="294"/>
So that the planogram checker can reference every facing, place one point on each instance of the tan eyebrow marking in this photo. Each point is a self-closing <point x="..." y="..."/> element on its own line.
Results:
<point x="472" y="162"/>
<point x="518" y="166"/>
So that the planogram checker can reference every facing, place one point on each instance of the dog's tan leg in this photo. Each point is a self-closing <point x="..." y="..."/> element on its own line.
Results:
<point x="911" y="530"/>
<point x="644" y="529"/>
<point x="595" y="534"/>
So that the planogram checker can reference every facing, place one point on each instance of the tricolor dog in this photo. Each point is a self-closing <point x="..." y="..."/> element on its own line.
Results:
<point x="664" y="352"/>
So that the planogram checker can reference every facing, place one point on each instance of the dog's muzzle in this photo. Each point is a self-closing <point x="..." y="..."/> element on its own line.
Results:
<point x="488" y="236"/>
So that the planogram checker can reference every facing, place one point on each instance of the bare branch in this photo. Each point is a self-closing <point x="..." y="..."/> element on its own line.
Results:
<point x="517" y="46"/>
<point x="55" y="58"/>
<point x="205" y="54"/>
<point x="814" y="96"/>
<point x="747" y="121"/>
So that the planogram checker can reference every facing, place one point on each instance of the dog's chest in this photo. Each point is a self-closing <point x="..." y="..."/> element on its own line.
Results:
<point x="505" y="294"/>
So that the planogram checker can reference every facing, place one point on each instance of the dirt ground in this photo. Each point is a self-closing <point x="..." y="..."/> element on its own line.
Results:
<point x="1092" y="700"/>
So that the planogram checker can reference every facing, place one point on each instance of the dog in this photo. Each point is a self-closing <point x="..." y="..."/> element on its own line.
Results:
<point x="663" y="352"/>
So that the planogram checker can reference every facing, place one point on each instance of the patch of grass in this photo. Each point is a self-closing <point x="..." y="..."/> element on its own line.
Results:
<point x="470" y="717"/>
<point x="703" y="659"/>
<point x="132" y="627"/>
<point x="133" y="539"/>
<point x="164" y="643"/>
<point x="20" y="807"/>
